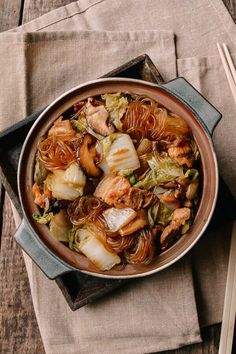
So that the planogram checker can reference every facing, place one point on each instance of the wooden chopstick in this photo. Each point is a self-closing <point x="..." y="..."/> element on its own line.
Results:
<point x="229" y="312"/>
<point x="230" y="62"/>
<point x="226" y="65"/>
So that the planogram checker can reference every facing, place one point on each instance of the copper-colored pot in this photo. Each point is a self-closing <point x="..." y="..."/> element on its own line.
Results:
<point x="52" y="256"/>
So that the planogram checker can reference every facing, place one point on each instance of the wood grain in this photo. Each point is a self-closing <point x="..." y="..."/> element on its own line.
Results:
<point x="10" y="14"/>
<point x="19" y="331"/>
<point x="36" y="8"/>
<point x="231" y="6"/>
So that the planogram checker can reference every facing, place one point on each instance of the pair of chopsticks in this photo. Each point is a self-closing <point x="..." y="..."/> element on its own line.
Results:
<point x="229" y="312"/>
<point x="229" y="67"/>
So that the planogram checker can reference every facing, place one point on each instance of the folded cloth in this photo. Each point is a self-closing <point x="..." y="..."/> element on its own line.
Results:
<point x="90" y="329"/>
<point x="42" y="66"/>
<point x="211" y="253"/>
<point x="143" y="316"/>
<point x="197" y="26"/>
<point x="197" y="29"/>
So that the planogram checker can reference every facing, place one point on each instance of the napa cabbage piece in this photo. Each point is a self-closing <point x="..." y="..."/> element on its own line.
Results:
<point x="74" y="175"/>
<point x="164" y="215"/>
<point x="104" y="145"/>
<point x="130" y="175"/>
<point x="196" y="153"/>
<point x="90" y="241"/>
<point x="98" y="253"/>
<point x="117" y="218"/>
<point x="164" y="170"/>
<point x="153" y="214"/>
<point x="122" y="154"/>
<point x="80" y="124"/>
<point x="159" y="214"/>
<point x="66" y="184"/>
<point x="118" y="154"/>
<point x="148" y="182"/>
<point x="44" y="218"/>
<point x="60" y="226"/>
<point x="191" y="175"/>
<point x="116" y="104"/>
<point x="185" y="228"/>
<point x="40" y="172"/>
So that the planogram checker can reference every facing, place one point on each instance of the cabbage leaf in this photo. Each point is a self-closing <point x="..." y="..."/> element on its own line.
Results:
<point x="88" y="239"/>
<point x="116" y="105"/>
<point x="164" y="215"/>
<point x="164" y="170"/>
<point x="44" y="218"/>
<point x="122" y="154"/>
<point x="191" y="175"/>
<point x="153" y="214"/>
<point x="105" y="144"/>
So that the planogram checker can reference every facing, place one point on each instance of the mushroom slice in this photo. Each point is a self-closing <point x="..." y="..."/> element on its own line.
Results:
<point x="97" y="118"/>
<point x="87" y="156"/>
<point x="136" y="224"/>
<point x="144" y="147"/>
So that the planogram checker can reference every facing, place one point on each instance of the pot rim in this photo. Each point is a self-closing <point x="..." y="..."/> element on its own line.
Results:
<point x="102" y="275"/>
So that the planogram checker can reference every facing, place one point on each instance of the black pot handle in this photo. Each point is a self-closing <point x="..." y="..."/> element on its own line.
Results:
<point x="48" y="263"/>
<point x="201" y="108"/>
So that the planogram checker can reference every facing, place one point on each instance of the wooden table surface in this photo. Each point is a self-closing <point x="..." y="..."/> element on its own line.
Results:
<point x="19" y="331"/>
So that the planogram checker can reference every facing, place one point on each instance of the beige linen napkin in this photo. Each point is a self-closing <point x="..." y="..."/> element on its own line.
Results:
<point x="197" y="27"/>
<point x="197" y="24"/>
<point x="211" y="254"/>
<point x="142" y="317"/>
<point x="41" y="66"/>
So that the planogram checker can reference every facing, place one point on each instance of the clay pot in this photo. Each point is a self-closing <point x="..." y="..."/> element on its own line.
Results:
<point x="178" y="96"/>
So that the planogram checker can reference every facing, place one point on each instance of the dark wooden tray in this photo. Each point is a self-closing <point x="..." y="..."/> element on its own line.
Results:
<point x="78" y="289"/>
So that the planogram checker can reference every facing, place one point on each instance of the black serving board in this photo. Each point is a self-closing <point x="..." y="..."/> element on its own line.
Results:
<point x="79" y="289"/>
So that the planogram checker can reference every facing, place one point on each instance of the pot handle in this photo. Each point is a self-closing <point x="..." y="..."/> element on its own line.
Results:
<point x="50" y="265"/>
<point x="202" y="109"/>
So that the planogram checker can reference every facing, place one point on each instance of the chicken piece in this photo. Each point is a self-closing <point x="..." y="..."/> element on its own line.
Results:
<point x="188" y="204"/>
<point x="97" y="119"/>
<point x="170" y="184"/>
<point x="136" y="224"/>
<point x="111" y="188"/>
<point x="180" y="216"/>
<point x="136" y="199"/>
<point x="181" y="154"/>
<point x="170" y="199"/>
<point x="116" y="191"/>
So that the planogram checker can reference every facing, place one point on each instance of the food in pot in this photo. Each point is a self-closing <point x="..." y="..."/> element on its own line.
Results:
<point x="117" y="179"/>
